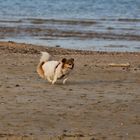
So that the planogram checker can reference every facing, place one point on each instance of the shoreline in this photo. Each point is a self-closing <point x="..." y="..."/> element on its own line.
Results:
<point x="97" y="35"/>
<point x="24" y="48"/>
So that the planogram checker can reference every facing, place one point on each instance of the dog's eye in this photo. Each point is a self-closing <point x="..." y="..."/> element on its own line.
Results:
<point x="70" y="64"/>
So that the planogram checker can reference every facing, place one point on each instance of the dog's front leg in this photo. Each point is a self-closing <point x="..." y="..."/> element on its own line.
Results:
<point x="64" y="81"/>
<point x="49" y="79"/>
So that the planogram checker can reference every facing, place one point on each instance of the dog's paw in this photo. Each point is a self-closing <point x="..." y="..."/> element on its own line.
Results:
<point x="53" y="82"/>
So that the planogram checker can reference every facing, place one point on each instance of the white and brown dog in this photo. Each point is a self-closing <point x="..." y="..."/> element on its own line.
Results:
<point x="53" y="70"/>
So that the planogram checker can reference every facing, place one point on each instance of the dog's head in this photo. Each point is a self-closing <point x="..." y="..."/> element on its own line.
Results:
<point x="68" y="63"/>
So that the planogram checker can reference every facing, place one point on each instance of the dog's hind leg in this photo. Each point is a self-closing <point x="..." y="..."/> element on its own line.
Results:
<point x="55" y="79"/>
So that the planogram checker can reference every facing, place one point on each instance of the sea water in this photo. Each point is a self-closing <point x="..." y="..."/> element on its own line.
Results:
<point x="119" y="17"/>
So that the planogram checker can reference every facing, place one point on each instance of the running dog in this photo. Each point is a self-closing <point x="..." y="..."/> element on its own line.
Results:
<point x="54" y="70"/>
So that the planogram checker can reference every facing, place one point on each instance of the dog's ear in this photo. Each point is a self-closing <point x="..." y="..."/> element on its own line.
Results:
<point x="72" y="59"/>
<point x="64" y="60"/>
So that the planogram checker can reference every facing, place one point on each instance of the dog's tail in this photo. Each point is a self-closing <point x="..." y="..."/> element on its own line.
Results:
<point x="44" y="58"/>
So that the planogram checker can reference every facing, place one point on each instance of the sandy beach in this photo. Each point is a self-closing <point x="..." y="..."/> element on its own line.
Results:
<point x="99" y="102"/>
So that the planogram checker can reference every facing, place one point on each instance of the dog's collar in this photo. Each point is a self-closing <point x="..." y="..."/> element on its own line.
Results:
<point x="56" y="66"/>
<point x="61" y="70"/>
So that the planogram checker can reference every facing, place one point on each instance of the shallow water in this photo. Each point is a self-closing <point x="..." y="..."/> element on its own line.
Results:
<point x="103" y="25"/>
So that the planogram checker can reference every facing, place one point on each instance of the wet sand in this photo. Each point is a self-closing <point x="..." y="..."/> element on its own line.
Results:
<point x="99" y="102"/>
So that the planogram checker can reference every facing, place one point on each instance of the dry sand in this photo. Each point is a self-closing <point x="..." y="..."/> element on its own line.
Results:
<point x="99" y="102"/>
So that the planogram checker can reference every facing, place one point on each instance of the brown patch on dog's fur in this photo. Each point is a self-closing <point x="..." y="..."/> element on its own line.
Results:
<point x="68" y="63"/>
<point x="40" y="71"/>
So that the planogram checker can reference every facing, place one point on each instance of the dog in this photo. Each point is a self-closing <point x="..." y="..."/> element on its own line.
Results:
<point x="53" y="70"/>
